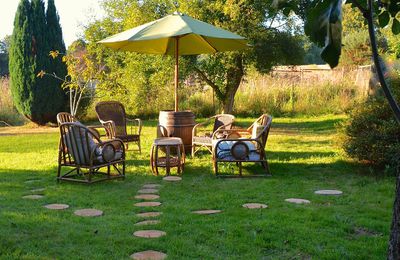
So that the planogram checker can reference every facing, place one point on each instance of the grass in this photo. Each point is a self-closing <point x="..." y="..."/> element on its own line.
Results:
<point x="303" y="156"/>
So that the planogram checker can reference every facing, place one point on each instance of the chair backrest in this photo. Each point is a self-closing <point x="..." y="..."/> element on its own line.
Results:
<point x="112" y="111"/>
<point x="260" y="128"/>
<point x="64" y="117"/>
<point x="77" y="143"/>
<point x="224" y="121"/>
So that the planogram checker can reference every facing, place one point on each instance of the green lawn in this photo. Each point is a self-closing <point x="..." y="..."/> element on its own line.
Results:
<point x="303" y="156"/>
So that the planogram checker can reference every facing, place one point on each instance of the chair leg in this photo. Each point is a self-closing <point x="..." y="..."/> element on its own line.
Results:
<point x="240" y="168"/>
<point x="193" y="149"/>
<point x="140" y="149"/>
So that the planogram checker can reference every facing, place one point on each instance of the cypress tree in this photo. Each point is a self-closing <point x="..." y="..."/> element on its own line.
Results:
<point x="21" y="61"/>
<point x="56" y="43"/>
<point x="37" y="98"/>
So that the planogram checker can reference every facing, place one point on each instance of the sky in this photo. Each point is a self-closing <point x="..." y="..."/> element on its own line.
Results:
<point x="73" y="13"/>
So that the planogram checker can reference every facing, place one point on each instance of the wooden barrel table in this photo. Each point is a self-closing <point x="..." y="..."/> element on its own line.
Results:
<point x="177" y="124"/>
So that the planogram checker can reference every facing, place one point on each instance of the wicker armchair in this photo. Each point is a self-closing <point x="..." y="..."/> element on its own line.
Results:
<point x="201" y="138"/>
<point x="244" y="145"/>
<point x="113" y="117"/>
<point x="86" y="154"/>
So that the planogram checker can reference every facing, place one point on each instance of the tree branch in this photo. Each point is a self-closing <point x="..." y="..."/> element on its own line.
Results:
<point x="209" y="82"/>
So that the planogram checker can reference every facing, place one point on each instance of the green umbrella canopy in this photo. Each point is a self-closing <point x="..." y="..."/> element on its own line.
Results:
<point x="176" y="34"/>
<point x="159" y="37"/>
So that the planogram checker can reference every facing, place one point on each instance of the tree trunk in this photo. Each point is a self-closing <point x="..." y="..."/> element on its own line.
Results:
<point x="228" y="103"/>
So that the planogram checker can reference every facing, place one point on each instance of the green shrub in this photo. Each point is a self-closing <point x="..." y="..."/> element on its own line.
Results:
<point x="373" y="134"/>
<point x="8" y="113"/>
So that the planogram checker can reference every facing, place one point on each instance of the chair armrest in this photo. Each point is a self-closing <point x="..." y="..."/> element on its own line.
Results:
<point x="207" y="121"/>
<point x="137" y="123"/>
<point x="117" y="143"/>
<point x="110" y="128"/>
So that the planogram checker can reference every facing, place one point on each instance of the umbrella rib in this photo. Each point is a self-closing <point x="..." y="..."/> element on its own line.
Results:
<point x="209" y="44"/>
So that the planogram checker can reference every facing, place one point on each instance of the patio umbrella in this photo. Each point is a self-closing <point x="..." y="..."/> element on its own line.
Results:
<point x="176" y="34"/>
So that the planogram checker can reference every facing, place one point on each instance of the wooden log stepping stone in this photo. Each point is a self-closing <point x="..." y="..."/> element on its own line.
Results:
<point x="147" y="191"/>
<point x="328" y="192"/>
<point x="298" y="201"/>
<point x="151" y="186"/>
<point x="147" y="197"/>
<point x="148" y="204"/>
<point x="172" y="178"/>
<point x="37" y="190"/>
<point x="148" y="222"/>
<point x="148" y="255"/>
<point x="33" y="197"/>
<point x="255" y="206"/>
<point x="56" y="206"/>
<point x="207" y="211"/>
<point x="88" y="212"/>
<point x="149" y="233"/>
<point x="149" y="214"/>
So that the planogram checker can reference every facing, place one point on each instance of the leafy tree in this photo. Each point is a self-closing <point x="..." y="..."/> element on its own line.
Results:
<point x="324" y="27"/>
<point x="222" y="71"/>
<point x="4" y="49"/>
<point x="38" y="99"/>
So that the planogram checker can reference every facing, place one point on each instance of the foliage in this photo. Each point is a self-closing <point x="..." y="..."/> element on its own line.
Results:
<point x="222" y="71"/>
<point x="303" y="158"/>
<point x="4" y="49"/>
<point x="80" y="81"/>
<point x="38" y="99"/>
<point x="372" y="133"/>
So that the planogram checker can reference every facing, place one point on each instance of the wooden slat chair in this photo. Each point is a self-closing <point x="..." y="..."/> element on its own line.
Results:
<point x="202" y="139"/>
<point x="86" y="154"/>
<point x="244" y="145"/>
<point x="112" y="116"/>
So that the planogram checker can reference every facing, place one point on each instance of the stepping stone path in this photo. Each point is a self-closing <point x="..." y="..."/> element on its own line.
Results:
<point x="298" y="201"/>
<point x="149" y="214"/>
<point x="172" y="178"/>
<point x="148" y="204"/>
<point x="149" y="233"/>
<point x="151" y="186"/>
<point x="328" y="192"/>
<point x="56" y="206"/>
<point x="147" y="191"/>
<point x="147" y="197"/>
<point x="207" y="211"/>
<point x="149" y="255"/>
<point x="255" y="206"/>
<point x="148" y="222"/>
<point x="33" y="197"/>
<point x="88" y="212"/>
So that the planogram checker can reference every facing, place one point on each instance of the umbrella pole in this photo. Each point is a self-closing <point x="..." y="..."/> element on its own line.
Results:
<point x="176" y="72"/>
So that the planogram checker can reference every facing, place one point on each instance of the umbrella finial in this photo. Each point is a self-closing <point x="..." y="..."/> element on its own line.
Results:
<point x="176" y="5"/>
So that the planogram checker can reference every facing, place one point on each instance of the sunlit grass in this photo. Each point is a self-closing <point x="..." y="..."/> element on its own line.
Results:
<point x="304" y="156"/>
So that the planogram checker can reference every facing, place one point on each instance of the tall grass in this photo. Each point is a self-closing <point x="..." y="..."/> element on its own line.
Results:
<point x="8" y="113"/>
<point x="282" y="96"/>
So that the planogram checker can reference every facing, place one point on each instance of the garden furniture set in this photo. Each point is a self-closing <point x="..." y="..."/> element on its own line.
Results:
<point x="82" y="150"/>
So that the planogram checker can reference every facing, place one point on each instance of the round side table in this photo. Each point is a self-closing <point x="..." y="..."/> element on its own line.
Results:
<point x="173" y="155"/>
